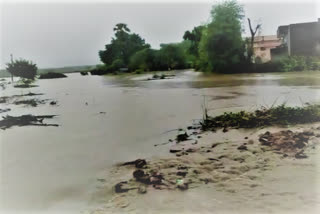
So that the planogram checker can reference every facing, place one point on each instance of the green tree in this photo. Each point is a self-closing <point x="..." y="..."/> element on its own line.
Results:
<point x="194" y="36"/>
<point x="122" y="46"/>
<point x="22" y="68"/>
<point x="143" y="60"/>
<point x="221" y="47"/>
<point x="171" y="56"/>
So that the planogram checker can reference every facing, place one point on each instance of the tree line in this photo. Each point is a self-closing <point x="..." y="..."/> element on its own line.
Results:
<point x="129" y="52"/>
<point x="216" y="46"/>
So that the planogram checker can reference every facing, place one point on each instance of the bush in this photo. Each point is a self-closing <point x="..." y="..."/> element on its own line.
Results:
<point x="172" y="56"/>
<point x="267" y="67"/>
<point x="139" y="71"/>
<point x="22" y="68"/>
<point x="299" y="63"/>
<point x="291" y="63"/>
<point x="279" y="115"/>
<point x="143" y="60"/>
<point x="52" y="75"/>
<point x="100" y="70"/>
<point x="117" y="64"/>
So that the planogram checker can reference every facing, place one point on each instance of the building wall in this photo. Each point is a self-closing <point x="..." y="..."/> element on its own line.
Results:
<point x="263" y="45"/>
<point x="303" y="38"/>
<point x="264" y="55"/>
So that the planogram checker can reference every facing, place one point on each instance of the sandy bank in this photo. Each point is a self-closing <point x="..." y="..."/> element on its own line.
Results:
<point x="222" y="172"/>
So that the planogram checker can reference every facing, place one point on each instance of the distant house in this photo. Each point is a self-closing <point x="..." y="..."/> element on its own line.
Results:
<point x="301" y="38"/>
<point x="262" y="47"/>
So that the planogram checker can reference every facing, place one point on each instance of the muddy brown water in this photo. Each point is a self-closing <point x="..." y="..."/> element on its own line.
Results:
<point x="109" y="119"/>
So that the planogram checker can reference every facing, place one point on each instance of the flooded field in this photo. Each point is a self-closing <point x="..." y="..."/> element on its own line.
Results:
<point x="104" y="120"/>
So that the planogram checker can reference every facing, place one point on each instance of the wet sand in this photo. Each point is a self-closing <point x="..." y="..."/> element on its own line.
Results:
<point x="222" y="178"/>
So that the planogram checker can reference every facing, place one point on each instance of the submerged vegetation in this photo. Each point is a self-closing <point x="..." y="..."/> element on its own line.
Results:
<point x="279" y="115"/>
<point x="161" y="77"/>
<point x="52" y="75"/>
<point x="30" y="102"/>
<point x="25" y="120"/>
<point x="5" y="99"/>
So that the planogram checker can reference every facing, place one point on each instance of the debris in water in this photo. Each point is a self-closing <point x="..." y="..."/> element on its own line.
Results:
<point x="242" y="147"/>
<point x="83" y="73"/>
<point x="139" y="163"/>
<point x="142" y="190"/>
<point x="5" y="99"/>
<point x="182" y="136"/>
<point x="30" y="102"/>
<point x="122" y="187"/>
<point x="4" y="110"/>
<point x="25" y="120"/>
<point x="287" y="142"/>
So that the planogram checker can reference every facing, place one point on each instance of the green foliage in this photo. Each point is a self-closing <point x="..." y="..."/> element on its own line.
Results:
<point x="143" y="60"/>
<point x="289" y="63"/>
<point x="122" y="47"/>
<point x="129" y="50"/>
<point x="22" y="68"/>
<point x="280" y="115"/>
<point x="172" y="56"/>
<point x="221" y="47"/>
<point x="194" y="37"/>
<point x="101" y="70"/>
<point x="299" y="63"/>
<point x="117" y="64"/>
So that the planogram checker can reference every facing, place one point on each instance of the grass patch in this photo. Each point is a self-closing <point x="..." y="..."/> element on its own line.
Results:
<point x="279" y="115"/>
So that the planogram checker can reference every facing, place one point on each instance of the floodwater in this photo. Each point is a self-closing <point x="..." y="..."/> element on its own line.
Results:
<point x="109" y="119"/>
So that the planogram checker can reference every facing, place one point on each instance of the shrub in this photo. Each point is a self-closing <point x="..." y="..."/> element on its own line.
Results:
<point x="139" y="71"/>
<point x="278" y="115"/>
<point x="299" y="63"/>
<point x="143" y="60"/>
<point x="101" y="70"/>
<point x="22" y="68"/>
<point x="117" y="64"/>
<point x="52" y="75"/>
<point x="291" y="63"/>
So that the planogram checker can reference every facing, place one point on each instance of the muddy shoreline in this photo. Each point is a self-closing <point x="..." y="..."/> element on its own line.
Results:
<point x="227" y="162"/>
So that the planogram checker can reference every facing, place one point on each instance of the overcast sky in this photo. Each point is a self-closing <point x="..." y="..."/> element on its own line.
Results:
<point x="67" y="34"/>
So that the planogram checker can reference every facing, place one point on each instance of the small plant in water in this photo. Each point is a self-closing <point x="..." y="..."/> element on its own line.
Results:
<point x="204" y="109"/>
<point x="155" y="76"/>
